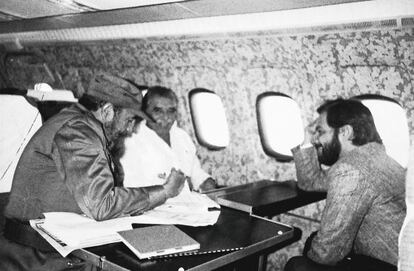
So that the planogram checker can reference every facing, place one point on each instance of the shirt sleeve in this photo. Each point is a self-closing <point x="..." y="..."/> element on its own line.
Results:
<point x="85" y="168"/>
<point x="198" y="175"/>
<point x="310" y="175"/>
<point x="347" y="202"/>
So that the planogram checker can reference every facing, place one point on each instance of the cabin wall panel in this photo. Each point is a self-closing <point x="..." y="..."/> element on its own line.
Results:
<point x="309" y="68"/>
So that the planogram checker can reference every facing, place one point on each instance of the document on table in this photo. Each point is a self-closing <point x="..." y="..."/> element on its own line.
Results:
<point x="62" y="248"/>
<point x="188" y="208"/>
<point x="69" y="231"/>
<point x="190" y="201"/>
<point x="170" y="216"/>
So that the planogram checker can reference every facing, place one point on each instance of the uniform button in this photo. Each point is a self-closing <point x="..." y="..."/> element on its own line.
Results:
<point x="69" y="264"/>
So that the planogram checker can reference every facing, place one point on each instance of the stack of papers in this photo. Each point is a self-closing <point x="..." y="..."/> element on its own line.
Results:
<point x="191" y="209"/>
<point x="81" y="231"/>
<point x="69" y="231"/>
<point x="170" y="216"/>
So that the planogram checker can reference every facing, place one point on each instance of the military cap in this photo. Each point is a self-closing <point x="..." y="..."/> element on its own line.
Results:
<point x="117" y="91"/>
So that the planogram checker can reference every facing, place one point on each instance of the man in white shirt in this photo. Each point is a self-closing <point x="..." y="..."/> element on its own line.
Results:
<point x="157" y="147"/>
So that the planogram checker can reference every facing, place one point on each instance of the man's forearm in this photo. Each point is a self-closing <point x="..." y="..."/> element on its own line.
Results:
<point x="309" y="174"/>
<point x="157" y="196"/>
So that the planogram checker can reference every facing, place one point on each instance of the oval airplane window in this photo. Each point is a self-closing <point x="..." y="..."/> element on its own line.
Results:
<point x="209" y="119"/>
<point x="392" y="125"/>
<point x="280" y="124"/>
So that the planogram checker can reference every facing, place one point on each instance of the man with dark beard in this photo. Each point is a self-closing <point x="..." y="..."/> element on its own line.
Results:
<point x="365" y="205"/>
<point x="67" y="167"/>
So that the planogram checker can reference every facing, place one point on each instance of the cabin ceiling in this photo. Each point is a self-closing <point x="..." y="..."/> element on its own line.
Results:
<point x="80" y="12"/>
<point x="50" y="20"/>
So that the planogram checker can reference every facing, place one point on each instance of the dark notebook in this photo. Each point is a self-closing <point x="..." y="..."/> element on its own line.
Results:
<point x="156" y="241"/>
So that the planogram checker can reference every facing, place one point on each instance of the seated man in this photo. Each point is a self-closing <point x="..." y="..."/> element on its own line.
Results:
<point x="66" y="167"/>
<point x="160" y="145"/>
<point x="365" y="205"/>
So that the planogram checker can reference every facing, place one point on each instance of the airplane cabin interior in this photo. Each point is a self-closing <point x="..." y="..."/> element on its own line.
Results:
<point x="248" y="75"/>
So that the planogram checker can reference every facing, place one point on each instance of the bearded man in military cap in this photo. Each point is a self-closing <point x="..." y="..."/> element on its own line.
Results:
<point x="67" y="167"/>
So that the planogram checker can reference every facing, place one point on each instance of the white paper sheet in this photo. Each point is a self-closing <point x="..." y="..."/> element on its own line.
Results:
<point x="169" y="216"/>
<point x="69" y="231"/>
<point x="80" y="231"/>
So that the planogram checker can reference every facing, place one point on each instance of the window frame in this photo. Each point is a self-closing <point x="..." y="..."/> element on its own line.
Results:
<point x="380" y="97"/>
<point x="265" y="146"/>
<point x="196" y="128"/>
<point x="368" y="96"/>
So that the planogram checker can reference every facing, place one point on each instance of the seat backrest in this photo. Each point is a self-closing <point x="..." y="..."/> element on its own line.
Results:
<point x="406" y="238"/>
<point x="4" y="198"/>
<point x="19" y="120"/>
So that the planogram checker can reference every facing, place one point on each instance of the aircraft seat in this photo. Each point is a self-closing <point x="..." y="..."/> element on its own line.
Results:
<point x="19" y="120"/>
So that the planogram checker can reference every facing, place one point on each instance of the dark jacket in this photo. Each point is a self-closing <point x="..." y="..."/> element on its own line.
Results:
<point x="66" y="167"/>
